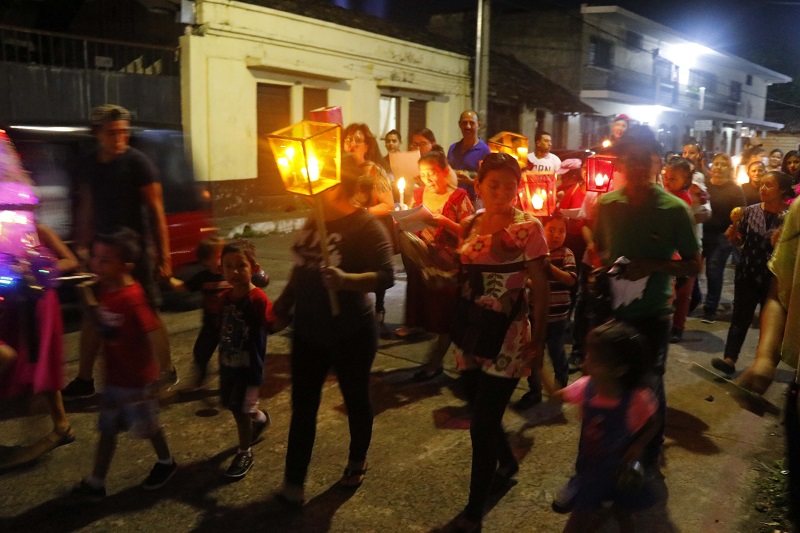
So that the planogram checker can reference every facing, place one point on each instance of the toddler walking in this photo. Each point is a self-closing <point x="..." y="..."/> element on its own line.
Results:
<point x="246" y="320"/>
<point x="132" y="342"/>
<point x="619" y="415"/>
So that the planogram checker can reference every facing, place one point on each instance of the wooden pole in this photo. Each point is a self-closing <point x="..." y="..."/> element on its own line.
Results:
<point x="323" y="245"/>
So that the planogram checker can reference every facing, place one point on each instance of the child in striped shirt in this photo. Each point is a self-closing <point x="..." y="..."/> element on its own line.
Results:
<point x="563" y="276"/>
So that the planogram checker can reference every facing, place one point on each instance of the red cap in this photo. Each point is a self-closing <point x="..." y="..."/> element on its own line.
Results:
<point x="622" y="116"/>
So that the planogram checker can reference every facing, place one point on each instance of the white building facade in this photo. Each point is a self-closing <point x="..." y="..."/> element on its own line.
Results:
<point x="247" y="70"/>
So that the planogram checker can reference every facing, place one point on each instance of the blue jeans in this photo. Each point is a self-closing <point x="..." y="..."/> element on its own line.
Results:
<point x="717" y="249"/>
<point x="558" y="355"/>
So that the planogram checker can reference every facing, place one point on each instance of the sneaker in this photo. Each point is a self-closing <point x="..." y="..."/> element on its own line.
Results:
<point x="575" y="363"/>
<point x="709" y="317"/>
<point x="167" y="380"/>
<point x="676" y="336"/>
<point x="78" y="388"/>
<point x="259" y="427"/>
<point x="85" y="492"/>
<point x="528" y="400"/>
<point x="565" y="498"/>
<point x="159" y="476"/>
<point x="240" y="465"/>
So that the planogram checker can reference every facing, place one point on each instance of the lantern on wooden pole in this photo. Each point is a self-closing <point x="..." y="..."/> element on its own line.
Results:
<point x="309" y="155"/>
<point x="510" y="143"/>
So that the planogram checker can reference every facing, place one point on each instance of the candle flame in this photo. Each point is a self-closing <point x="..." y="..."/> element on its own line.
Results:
<point x="289" y="152"/>
<point x="401" y="185"/>
<point x="606" y="143"/>
<point x="282" y="161"/>
<point x="600" y="179"/>
<point x="313" y="168"/>
<point x="538" y="200"/>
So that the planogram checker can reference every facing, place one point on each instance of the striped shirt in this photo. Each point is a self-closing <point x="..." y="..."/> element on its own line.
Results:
<point x="560" y="294"/>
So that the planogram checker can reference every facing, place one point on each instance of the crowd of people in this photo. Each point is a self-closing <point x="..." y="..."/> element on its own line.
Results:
<point x="616" y="271"/>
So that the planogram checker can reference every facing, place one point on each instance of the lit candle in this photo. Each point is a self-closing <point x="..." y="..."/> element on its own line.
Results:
<point x="401" y="186"/>
<point x="538" y="200"/>
<point x="600" y="179"/>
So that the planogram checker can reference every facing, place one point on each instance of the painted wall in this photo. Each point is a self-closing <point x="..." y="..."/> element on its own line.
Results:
<point x="238" y="45"/>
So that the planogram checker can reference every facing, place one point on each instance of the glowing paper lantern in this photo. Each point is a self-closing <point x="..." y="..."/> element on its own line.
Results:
<point x="600" y="172"/>
<point x="511" y="143"/>
<point x="330" y="115"/>
<point x="537" y="193"/>
<point x="309" y="156"/>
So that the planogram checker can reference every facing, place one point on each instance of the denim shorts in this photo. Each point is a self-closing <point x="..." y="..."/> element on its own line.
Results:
<point x="129" y="409"/>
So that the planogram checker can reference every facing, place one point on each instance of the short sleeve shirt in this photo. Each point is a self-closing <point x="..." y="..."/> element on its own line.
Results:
<point x="523" y="240"/>
<point x="657" y="229"/>
<point x="548" y="163"/>
<point x="243" y="339"/>
<point x="116" y="190"/>
<point x="125" y="319"/>
<point x="469" y="159"/>
<point x="643" y="403"/>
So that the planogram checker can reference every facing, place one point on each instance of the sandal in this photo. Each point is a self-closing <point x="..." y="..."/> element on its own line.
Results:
<point x="353" y="477"/>
<point x="61" y="438"/>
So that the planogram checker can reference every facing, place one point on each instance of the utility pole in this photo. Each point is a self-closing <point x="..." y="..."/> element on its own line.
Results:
<point x="481" y="89"/>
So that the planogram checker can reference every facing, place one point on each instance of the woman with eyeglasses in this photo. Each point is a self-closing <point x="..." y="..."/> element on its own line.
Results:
<point x="502" y="249"/>
<point x="362" y="144"/>
<point x="427" y="308"/>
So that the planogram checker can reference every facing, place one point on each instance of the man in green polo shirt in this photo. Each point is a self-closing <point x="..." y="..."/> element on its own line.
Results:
<point x="647" y="225"/>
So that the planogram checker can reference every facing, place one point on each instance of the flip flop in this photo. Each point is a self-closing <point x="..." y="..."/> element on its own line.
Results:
<point x="353" y="477"/>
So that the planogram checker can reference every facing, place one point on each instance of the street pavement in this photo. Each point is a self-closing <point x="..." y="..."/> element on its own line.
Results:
<point x="419" y="460"/>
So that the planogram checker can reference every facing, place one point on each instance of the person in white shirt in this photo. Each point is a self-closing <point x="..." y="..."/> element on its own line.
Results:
<point x="541" y="160"/>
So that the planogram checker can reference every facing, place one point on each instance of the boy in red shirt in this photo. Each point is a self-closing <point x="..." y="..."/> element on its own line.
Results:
<point x="132" y="344"/>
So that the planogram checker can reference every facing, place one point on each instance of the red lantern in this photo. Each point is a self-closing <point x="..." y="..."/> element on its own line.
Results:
<point x="537" y="193"/>
<point x="600" y="172"/>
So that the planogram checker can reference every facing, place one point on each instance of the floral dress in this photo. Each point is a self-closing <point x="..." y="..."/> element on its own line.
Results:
<point x="522" y="241"/>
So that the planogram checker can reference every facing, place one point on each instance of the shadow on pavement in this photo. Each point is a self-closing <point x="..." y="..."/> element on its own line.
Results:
<point x="688" y="432"/>
<point x="191" y="485"/>
<point x="700" y="342"/>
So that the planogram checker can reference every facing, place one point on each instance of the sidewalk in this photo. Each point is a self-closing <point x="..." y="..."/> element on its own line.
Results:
<point x="419" y="459"/>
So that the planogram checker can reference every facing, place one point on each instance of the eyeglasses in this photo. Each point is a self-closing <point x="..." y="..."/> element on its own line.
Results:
<point x="351" y="140"/>
<point x="417" y="145"/>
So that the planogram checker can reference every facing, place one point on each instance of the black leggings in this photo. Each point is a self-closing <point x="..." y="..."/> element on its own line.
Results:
<point x="204" y="347"/>
<point x="490" y="446"/>
<point x="351" y="359"/>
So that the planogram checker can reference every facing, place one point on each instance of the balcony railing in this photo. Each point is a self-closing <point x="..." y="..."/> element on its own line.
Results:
<point x="647" y="87"/>
<point x="50" y="49"/>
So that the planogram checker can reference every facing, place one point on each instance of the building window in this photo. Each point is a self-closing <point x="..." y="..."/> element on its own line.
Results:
<point x="633" y="40"/>
<point x="701" y="78"/>
<point x="749" y="80"/>
<point x="417" y="115"/>
<point x="389" y="110"/>
<point x="314" y="99"/>
<point x="272" y="113"/>
<point x="600" y="53"/>
<point x="736" y="91"/>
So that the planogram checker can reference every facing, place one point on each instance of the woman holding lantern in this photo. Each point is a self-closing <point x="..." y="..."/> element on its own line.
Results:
<point x="362" y="144"/>
<point x="427" y="308"/>
<point x="359" y="261"/>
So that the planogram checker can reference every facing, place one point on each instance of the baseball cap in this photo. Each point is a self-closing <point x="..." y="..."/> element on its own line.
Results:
<point x="622" y="116"/>
<point x="569" y="164"/>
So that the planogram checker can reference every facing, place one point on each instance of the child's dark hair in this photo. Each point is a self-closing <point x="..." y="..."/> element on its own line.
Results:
<point x="241" y="246"/>
<point x="618" y="344"/>
<point x="436" y="157"/>
<point x="207" y="246"/>
<point x="680" y="164"/>
<point x="125" y="241"/>
<point x="556" y="216"/>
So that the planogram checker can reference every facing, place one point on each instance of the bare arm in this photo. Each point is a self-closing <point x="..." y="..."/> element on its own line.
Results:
<point x="153" y="197"/>
<point x="83" y="222"/>
<point x="339" y="280"/>
<point x="66" y="259"/>
<point x="540" y="296"/>
<point x="384" y="205"/>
